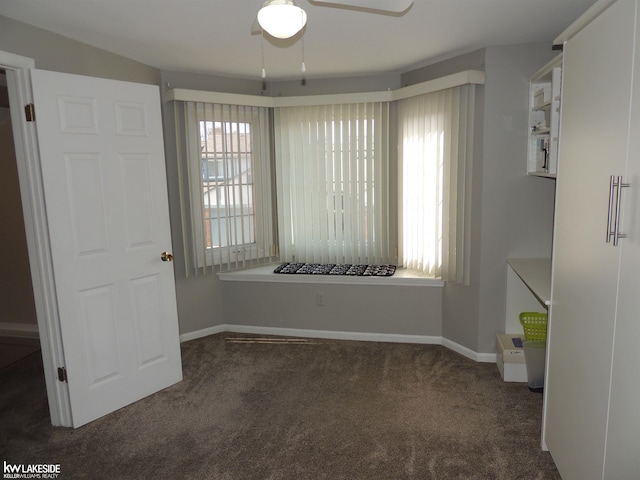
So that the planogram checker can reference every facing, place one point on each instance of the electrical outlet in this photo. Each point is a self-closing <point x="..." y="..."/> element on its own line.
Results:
<point x="320" y="299"/>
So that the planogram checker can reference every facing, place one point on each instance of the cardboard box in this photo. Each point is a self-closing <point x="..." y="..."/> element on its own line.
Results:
<point x="510" y="359"/>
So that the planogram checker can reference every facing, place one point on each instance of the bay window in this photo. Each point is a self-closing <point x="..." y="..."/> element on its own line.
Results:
<point x="342" y="182"/>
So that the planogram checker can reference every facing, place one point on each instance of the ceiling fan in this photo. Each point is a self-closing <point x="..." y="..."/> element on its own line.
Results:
<point x="283" y="18"/>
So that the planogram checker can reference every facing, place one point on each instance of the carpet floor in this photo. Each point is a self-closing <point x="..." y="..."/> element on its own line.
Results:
<point x="293" y="409"/>
<point x="13" y="349"/>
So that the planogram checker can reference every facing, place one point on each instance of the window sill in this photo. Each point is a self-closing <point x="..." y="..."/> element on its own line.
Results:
<point x="402" y="277"/>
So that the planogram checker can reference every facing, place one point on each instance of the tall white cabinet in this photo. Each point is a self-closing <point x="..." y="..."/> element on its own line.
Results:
<point x="592" y="387"/>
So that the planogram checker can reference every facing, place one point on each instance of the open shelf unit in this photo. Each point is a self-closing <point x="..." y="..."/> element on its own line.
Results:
<point x="544" y="119"/>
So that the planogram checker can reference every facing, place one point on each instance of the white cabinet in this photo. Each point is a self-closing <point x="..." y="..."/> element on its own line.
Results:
<point x="592" y="387"/>
<point x="544" y="119"/>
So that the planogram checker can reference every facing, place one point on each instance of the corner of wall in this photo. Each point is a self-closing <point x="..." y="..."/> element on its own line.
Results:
<point x="508" y="194"/>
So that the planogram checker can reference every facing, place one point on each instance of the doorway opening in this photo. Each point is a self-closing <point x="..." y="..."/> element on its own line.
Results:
<point x="18" y="320"/>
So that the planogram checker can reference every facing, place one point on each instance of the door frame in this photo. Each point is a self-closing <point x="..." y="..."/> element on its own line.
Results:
<point x="18" y="70"/>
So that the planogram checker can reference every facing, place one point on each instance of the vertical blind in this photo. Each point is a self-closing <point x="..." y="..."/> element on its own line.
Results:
<point x="332" y="176"/>
<point x="226" y="181"/>
<point x="332" y="183"/>
<point x="436" y="146"/>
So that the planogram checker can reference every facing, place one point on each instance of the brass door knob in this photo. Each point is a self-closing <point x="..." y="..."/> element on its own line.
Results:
<point x="166" y="257"/>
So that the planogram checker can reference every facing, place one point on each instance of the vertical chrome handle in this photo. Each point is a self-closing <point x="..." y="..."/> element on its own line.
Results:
<point x="615" y="195"/>
<point x="610" y="210"/>
<point x="616" y="228"/>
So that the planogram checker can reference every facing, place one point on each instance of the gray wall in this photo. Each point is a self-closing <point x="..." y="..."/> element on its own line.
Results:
<point x="393" y="310"/>
<point x="516" y="209"/>
<point x="60" y="54"/>
<point x="378" y="83"/>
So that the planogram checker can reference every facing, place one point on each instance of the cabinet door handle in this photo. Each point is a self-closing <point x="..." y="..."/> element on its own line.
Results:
<point x="610" y="209"/>
<point x="613" y="216"/>
<point x="616" y="229"/>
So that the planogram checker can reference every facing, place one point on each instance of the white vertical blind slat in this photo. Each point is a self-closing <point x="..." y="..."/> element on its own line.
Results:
<point x="341" y="194"/>
<point x="322" y="195"/>
<point x="332" y="174"/>
<point x="381" y="215"/>
<point x="262" y="182"/>
<point x="359" y="199"/>
<point x="197" y="210"/>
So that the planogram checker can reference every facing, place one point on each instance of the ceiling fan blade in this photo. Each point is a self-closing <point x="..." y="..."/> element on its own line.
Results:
<point x="393" y="6"/>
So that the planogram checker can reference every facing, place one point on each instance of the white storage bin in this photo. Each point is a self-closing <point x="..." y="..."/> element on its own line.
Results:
<point x="510" y="359"/>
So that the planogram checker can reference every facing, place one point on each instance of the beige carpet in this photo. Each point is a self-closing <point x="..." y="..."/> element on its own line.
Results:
<point x="294" y="410"/>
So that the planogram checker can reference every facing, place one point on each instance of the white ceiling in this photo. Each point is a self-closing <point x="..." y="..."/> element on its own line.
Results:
<point x="214" y="36"/>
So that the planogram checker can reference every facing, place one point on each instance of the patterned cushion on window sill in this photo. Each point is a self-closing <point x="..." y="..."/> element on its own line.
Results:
<point x="337" y="269"/>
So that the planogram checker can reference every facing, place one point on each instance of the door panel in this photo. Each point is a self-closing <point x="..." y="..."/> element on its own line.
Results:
<point x="96" y="312"/>
<point x="623" y="433"/>
<point x="593" y="146"/>
<point x="137" y="186"/>
<point x="146" y="301"/>
<point x="86" y="195"/>
<point x="103" y="172"/>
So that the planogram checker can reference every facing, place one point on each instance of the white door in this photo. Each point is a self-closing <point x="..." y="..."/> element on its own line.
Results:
<point x="622" y="459"/>
<point x="598" y="64"/>
<point x="103" y="172"/>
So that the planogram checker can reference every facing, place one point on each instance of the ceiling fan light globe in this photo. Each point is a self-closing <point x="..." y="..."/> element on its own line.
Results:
<point x="281" y="19"/>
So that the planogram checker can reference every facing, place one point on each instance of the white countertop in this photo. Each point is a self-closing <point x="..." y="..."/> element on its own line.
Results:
<point x="536" y="275"/>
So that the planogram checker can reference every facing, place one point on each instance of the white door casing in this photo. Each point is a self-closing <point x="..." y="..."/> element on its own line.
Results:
<point x="18" y="70"/>
<point x="104" y="181"/>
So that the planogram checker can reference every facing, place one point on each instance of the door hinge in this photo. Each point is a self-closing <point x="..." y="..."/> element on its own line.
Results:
<point x="30" y="112"/>
<point x="62" y="374"/>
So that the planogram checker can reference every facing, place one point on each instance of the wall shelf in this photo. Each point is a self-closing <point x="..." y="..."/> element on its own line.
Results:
<point x="544" y="119"/>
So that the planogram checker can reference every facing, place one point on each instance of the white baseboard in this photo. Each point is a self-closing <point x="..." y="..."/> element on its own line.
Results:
<point x="205" y="332"/>
<point x="336" y="335"/>
<point x="29" y="330"/>
<point x="478" y="357"/>
<point x="487" y="357"/>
